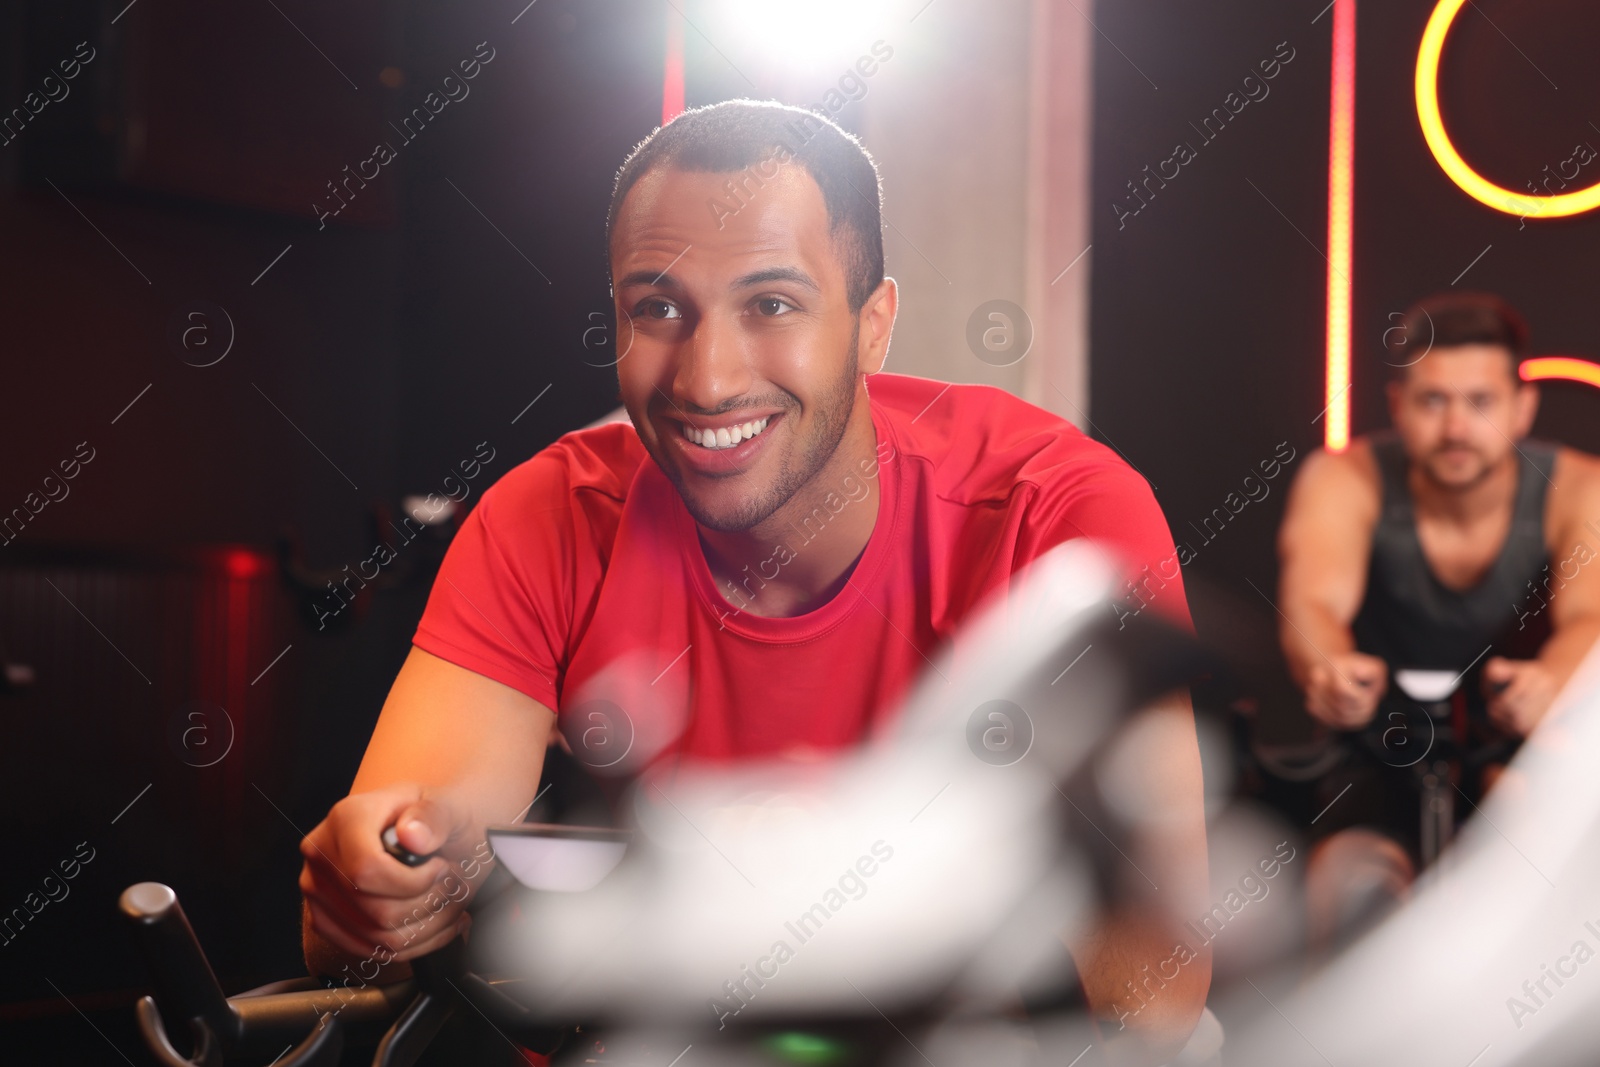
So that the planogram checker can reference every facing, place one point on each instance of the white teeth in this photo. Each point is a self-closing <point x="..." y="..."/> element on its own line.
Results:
<point x="726" y="437"/>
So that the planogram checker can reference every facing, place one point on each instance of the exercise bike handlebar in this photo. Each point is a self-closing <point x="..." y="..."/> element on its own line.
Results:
<point x="189" y="1006"/>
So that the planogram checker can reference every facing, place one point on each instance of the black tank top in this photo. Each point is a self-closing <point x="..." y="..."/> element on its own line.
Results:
<point x="1411" y="619"/>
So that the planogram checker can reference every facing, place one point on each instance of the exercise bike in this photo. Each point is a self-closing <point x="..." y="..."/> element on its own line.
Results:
<point x="1423" y="725"/>
<point x="667" y="939"/>
<point x="1420" y="725"/>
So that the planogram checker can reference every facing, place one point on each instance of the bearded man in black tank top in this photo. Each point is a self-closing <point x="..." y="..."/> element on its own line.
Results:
<point x="1452" y="543"/>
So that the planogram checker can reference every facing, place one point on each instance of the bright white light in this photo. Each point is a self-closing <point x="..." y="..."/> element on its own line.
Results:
<point x="799" y="35"/>
<point x="1427" y="686"/>
<point x="429" y="510"/>
<point x="566" y="865"/>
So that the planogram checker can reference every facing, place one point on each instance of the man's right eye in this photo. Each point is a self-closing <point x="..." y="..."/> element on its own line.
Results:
<point x="655" y="308"/>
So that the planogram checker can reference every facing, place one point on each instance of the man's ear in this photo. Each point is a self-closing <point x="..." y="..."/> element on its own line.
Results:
<point x="1394" y="391"/>
<point x="877" y="323"/>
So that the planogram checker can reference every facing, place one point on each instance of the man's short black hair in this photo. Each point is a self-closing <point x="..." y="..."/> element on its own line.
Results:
<point x="1452" y="319"/>
<point x="756" y="137"/>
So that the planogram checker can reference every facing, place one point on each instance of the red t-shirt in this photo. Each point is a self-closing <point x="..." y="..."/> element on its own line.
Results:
<point x="579" y="579"/>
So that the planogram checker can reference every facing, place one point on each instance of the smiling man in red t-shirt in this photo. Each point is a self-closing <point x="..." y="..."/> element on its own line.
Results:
<point x="762" y="562"/>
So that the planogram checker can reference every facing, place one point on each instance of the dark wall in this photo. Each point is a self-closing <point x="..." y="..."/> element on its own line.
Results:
<point x="505" y="290"/>
<point x="376" y="352"/>
<point x="383" y="347"/>
<point x="1207" y="330"/>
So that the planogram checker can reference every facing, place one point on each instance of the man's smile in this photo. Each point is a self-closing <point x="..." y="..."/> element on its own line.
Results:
<point x="725" y="436"/>
<point x="720" y="448"/>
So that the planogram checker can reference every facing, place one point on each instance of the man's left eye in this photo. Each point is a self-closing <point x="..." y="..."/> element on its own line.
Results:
<point x="771" y="306"/>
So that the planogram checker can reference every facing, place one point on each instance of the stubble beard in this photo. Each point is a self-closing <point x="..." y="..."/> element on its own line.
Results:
<point x="807" y="458"/>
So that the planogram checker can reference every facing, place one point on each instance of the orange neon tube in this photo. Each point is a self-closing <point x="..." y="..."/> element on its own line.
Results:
<point x="1341" y="177"/>
<point x="1561" y="367"/>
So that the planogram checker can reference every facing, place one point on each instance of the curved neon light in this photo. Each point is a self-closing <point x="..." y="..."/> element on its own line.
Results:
<point x="1564" y="368"/>
<point x="1475" y="185"/>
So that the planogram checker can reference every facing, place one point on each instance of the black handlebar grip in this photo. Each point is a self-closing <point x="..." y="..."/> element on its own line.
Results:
<point x="392" y="845"/>
<point x="185" y="986"/>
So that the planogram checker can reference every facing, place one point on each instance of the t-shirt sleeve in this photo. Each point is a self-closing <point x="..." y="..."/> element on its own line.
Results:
<point x="501" y="605"/>
<point x="1112" y="505"/>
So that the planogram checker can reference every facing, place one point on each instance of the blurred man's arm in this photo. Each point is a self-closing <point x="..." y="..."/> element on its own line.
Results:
<point x="453" y="751"/>
<point x="1521" y="691"/>
<point x="1158" y="763"/>
<point x="1324" y="546"/>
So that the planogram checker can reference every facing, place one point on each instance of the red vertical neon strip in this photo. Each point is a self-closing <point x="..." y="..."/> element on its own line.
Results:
<point x="672" y="79"/>
<point x="235" y="677"/>
<point x="1341" y="179"/>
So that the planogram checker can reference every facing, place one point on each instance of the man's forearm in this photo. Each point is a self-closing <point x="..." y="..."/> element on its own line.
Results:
<point x="1310" y="635"/>
<point x="1567" y="647"/>
<point x="1145" y="983"/>
<point x="1138" y="972"/>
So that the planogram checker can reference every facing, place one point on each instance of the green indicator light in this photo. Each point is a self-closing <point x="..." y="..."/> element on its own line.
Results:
<point x="796" y="1047"/>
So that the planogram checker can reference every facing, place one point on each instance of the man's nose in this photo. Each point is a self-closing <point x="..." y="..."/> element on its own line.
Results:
<point x="1460" y="417"/>
<point x="713" y="366"/>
